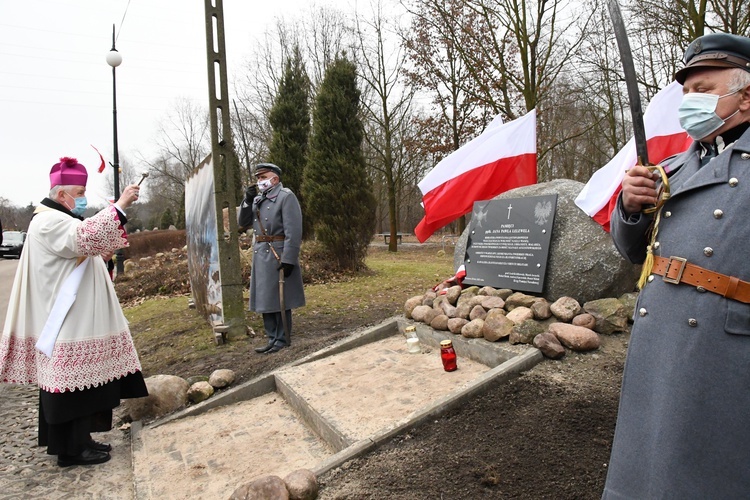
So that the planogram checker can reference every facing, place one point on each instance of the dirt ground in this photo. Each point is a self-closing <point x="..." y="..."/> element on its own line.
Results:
<point x="546" y="434"/>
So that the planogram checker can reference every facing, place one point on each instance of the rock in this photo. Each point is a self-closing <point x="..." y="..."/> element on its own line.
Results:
<point x="411" y="304"/>
<point x="302" y="485"/>
<point x="525" y="332"/>
<point x="200" y="391"/>
<point x="476" y="300"/>
<point x="129" y="266"/>
<point x="196" y="378"/>
<point x="496" y="325"/>
<point x="467" y="294"/>
<point x="520" y="314"/>
<point x="440" y="322"/>
<point x="419" y="313"/>
<point x="448" y="309"/>
<point x="473" y="329"/>
<point x="541" y="309"/>
<point x="492" y="302"/>
<point x="453" y="293"/>
<point x="438" y="301"/>
<point x="519" y="299"/>
<point x="503" y="293"/>
<point x="428" y="298"/>
<point x="430" y="315"/>
<point x="574" y="337"/>
<point x="463" y="310"/>
<point x="486" y="290"/>
<point x="585" y="320"/>
<point x="583" y="262"/>
<point x="629" y="300"/>
<point x="166" y="394"/>
<point x="610" y="315"/>
<point x="565" y="309"/>
<point x="263" y="488"/>
<point x="221" y="378"/>
<point x="456" y="324"/>
<point x="477" y="312"/>
<point x="549" y="345"/>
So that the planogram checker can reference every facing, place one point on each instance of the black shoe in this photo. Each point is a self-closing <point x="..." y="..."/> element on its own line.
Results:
<point x="97" y="446"/>
<point x="87" y="457"/>
<point x="261" y="350"/>
<point x="275" y="348"/>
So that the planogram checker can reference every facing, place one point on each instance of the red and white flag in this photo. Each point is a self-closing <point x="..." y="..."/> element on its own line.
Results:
<point x="503" y="157"/>
<point x="664" y="138"/>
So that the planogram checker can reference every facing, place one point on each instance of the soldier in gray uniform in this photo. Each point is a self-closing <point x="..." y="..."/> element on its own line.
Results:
<point x="274" y="213"/>
<point x="683" y="428"/>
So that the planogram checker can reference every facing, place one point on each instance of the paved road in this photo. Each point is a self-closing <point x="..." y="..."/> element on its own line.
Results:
<point x="7" y="273"/>
<point x="26" y="471"/>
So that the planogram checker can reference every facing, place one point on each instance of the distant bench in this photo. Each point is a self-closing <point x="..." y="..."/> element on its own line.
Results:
<point x="387" y="237"/>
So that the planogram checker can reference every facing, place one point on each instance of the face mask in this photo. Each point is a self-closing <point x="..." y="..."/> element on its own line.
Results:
<point x="264" y="185"/>
<point x="698" y="116"/>
<point x="80" y="206"/>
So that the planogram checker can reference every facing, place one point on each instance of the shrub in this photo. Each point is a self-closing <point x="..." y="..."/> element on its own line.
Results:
<point x="148" y="243"/>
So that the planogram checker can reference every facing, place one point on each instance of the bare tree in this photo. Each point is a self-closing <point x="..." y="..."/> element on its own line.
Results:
<point x="388" y="108"/>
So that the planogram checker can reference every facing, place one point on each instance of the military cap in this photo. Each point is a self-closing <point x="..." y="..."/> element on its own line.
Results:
<point x="717" y="50"/>
<point x="267" y="167"/>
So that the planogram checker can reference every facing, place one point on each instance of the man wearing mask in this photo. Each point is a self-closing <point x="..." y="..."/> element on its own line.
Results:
<point x="683" y="428"/>
<point x="274" y="213"/>
<point x="64" y="329"/>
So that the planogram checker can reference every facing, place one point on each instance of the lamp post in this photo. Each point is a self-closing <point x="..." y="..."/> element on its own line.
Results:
<point x="114" y="59"/>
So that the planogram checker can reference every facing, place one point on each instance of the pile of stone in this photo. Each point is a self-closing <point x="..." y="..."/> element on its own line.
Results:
<point x="298" y="485"/>
<point x="169" y="393"/>
<point x="502" y="314"/>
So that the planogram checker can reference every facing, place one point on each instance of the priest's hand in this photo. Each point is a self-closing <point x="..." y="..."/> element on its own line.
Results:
<point x="129" y="196"/>
<point x="638" y="189"/>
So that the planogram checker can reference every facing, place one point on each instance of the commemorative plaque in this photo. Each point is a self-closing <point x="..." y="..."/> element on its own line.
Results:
<point x="509" y="242"/>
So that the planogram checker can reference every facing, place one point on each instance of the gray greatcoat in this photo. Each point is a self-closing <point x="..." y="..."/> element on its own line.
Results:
<point x="683" y="428"/>
<point x="280" y="215"/>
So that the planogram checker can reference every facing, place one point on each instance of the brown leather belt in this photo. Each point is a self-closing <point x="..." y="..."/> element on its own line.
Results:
<point x="678" y="270"/>
<point x="276" y="237"/>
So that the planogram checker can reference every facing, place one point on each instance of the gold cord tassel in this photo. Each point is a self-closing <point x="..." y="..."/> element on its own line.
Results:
<point x="663" y="196"/>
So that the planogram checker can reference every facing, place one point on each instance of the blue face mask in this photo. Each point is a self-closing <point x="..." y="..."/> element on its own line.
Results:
<point x="698" y="116"/>
<point x="80" y="205"/>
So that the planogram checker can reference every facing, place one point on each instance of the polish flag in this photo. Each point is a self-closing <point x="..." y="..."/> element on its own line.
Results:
<point x="503" y="157"/>
<point x="664" y="138"/>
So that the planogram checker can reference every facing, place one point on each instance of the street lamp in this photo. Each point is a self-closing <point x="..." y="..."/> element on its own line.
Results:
<point x="114" y="59"/>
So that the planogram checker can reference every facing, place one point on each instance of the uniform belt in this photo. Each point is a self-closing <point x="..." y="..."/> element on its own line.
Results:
<point x="275" y="237"/>
<point x="678" y="270"/>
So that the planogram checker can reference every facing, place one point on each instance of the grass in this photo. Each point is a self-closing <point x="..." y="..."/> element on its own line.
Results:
<point x="168" y="334"/>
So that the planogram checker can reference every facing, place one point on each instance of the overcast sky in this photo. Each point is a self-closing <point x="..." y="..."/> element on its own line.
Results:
<point x="56" y="87"/>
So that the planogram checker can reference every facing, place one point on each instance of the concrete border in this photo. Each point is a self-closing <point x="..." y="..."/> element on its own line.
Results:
<point x="504" y="365"/>
<point x="501" y="373"/>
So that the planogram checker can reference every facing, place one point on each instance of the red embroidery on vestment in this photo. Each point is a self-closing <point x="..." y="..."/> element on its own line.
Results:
<point x="73" y="366"/>
<point x="101" y="233"/>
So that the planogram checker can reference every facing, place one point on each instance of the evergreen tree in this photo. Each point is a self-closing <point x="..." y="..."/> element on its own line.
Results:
<point x="180" y="222"/>
<point x="338" y="190"/>
<point x="166" y="219"/>
<point x="290" y="120"/>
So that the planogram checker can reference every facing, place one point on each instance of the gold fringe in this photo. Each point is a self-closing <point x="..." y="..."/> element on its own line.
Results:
<point x="648" y="264"/>
<point x="663" y="195"/>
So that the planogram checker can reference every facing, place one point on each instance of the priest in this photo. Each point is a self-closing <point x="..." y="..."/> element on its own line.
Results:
<point x="64" y="329"/>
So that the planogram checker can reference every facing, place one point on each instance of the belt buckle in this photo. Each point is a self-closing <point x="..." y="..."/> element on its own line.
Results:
<point x="676" y="280"/>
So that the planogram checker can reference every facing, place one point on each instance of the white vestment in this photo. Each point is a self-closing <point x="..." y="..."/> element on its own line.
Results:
<point x="94" y="345"/>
